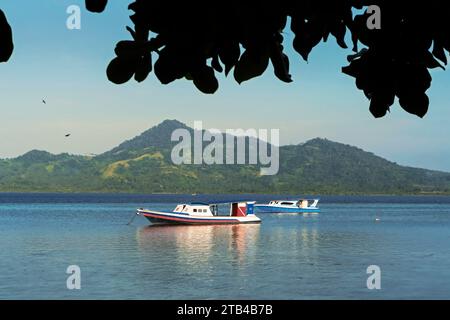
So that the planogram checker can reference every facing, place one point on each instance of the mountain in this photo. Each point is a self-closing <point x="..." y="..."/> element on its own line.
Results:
<point x="157" y="137"/>
<point x="143" y="165"/>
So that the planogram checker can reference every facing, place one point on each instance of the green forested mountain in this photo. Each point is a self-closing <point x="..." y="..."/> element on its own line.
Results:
<point x="144" y="165"/>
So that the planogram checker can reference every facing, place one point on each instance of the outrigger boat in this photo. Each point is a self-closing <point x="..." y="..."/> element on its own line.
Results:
<point x="291" y="206"/>
<point x="203" y="213"/>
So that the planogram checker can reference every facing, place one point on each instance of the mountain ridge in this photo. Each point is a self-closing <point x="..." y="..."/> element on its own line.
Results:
<point x="142" y="164"/>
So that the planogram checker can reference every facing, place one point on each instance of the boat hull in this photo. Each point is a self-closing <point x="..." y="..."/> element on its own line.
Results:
<point x="275" y="209"/>
<point x="157" y="217"/>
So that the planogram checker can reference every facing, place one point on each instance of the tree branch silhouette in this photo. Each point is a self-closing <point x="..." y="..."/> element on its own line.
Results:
<point x="197" y="40"/>
<point x="6" y="38"/>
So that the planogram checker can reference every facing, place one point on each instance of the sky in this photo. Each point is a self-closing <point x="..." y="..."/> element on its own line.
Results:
<point x="67" y="69"/>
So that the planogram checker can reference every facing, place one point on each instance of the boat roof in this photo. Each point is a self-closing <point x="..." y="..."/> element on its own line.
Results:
<point x="196" y="203"/>
<point x="297" y="199"/>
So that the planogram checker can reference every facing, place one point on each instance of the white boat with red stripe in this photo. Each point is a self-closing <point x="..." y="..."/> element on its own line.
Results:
<point x="203" y="213"/>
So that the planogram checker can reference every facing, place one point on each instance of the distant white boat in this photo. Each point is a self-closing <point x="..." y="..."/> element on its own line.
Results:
<point x="291" y="206"/>
<point x="203" y="213"/>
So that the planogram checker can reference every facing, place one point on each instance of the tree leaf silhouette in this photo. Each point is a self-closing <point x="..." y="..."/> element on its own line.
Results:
<point x="251" y="64"/>
<point x="120" y="70"/>
<point x="205" y="80"/>
<point x="6" y="39"/>
<point x="280" y="62"/>
<point x="96" y="5"/>
<point x="143" y="67"/>
<point x="415" y="103"/>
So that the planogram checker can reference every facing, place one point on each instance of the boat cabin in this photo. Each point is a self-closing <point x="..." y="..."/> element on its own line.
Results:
<point x="237" y="209"/>
<point x="302" y="203"/>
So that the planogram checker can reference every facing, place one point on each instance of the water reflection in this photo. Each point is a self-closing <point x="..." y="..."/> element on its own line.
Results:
<point x="200" y="245"/>
<point x="297" y="243"/>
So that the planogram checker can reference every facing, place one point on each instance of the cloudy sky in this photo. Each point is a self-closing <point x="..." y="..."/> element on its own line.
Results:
<point x="67" y="69"/>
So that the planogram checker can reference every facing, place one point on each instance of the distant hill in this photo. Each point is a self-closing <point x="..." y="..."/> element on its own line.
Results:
<point x="157" y="137"/>
<point x="143" y="165"/>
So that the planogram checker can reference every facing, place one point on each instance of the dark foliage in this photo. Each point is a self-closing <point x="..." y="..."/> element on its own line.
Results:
<point x="195" y="41"/>
<point x="6" y="39"/>
<point x="96" y="5"/>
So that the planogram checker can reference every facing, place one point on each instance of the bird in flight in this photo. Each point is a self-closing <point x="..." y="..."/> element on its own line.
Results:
<point x="44" y="102"/>
<point x="67" y="135"/>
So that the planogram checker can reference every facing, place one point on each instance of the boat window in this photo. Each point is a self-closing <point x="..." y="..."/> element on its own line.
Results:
<point x="287" y="203"/>
<point x="195" y="210"/>
<point x="303" y="203"/>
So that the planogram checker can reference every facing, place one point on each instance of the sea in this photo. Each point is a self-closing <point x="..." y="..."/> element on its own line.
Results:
<point x="83" y="246"/>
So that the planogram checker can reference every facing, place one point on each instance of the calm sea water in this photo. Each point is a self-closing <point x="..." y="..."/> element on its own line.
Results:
<point x="288" y="256"/>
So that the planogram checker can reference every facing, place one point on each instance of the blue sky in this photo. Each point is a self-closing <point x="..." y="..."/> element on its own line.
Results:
<point x="67" y="68"/>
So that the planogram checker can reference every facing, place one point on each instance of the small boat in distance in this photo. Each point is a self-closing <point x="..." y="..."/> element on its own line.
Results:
<point x="203" y="213"/>
<point x="291" y="206"/>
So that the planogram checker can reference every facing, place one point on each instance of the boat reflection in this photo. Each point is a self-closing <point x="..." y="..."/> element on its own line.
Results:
<point x="199" y="245"/>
